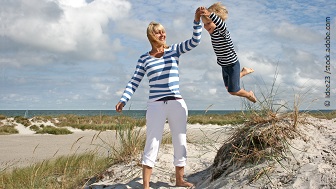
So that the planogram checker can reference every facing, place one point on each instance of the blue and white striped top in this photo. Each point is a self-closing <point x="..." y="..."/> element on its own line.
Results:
<point x="222" y="43"/>
<point x="162" y="73"/>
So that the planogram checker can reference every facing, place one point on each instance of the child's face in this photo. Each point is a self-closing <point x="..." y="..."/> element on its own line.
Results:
<point x="208" y="24"/>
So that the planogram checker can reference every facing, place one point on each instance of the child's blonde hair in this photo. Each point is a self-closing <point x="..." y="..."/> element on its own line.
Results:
<point x="220" y="10"/>
<point x="152" y="28"/>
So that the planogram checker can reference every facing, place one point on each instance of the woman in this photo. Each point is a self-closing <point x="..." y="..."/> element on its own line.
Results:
<point x="165" y="101"/>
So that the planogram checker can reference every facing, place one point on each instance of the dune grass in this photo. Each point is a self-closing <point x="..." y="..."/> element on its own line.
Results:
<point x="323" y="115"/>
<point x="75" y="170"/>
<point x="63" y="172"/>
<point x="262" y="134"/>
<point x="261" y="139"/>
<point x="264" y="137"/>
<point x="217" y="119"/>
<point x="22" y="120"/>
<point x="53" y="130"/>
<point x="99" y="123"/>
<point x="8" y="129"/>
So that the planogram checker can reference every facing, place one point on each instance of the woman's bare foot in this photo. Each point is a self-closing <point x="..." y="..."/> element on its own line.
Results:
<point x="184" y="183"/>
<point x="246" y="71"/>
<point x="252" y="98"/>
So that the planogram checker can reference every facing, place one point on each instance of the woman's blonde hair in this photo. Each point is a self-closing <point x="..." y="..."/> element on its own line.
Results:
<point x="153" y="28"/>
<point x="220" y="10"/>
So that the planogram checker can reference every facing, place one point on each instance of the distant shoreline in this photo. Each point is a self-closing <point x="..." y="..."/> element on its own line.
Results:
<point x="132" y="113"/>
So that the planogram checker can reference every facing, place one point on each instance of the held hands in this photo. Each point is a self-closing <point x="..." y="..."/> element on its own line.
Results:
<point x="198" y="13"/>
<point x="203" y="11"/>
<point x="119" y="107"/>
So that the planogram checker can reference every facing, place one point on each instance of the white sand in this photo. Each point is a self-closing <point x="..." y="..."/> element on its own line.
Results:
<point x="311" y="165"/>
<point x="26" y="148"/>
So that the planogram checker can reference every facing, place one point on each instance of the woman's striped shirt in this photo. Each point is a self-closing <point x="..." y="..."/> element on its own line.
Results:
<point x="162" y="73"/>
<point x="222" y="43"/>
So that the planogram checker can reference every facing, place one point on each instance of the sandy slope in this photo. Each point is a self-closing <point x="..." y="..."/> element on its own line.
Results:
<point x="311" y="163"/>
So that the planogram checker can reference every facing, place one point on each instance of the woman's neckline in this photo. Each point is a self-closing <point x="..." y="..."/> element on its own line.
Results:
<point x="157" y="54"/>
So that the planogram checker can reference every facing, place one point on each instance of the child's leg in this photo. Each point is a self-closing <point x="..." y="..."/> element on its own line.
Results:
<point x="232" y="82"/>
<point x="242" y="93"/>
<point x="245" y="71"/>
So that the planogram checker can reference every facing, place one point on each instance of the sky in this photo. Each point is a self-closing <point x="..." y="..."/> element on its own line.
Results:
<point x="80" y="54"/>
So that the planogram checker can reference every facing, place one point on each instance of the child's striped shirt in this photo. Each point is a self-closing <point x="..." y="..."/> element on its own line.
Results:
<point x="222" y="43"/>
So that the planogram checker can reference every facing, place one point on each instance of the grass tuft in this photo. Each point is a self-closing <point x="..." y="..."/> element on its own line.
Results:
<point x="262" y="139"/>
<point x="50" y="173"/>
<point x="8" y="129"/>
<point x="131" y="141"/>
<point x="52" y="130"/>
<point x="264" y="136"/>
<point x="217" y="119"/>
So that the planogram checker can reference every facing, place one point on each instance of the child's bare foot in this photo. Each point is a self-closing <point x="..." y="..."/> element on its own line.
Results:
<point x="246" y="71"/>
<point x="184" y="184"/>
<point x="252" y="98"/>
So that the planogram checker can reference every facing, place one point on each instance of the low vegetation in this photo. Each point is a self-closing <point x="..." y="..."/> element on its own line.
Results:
<point x="7" y="130"/>
<point x="64" y="172"/>
<point x="100" y="123"/>
<point x="264" y="138"/>
<point x="22" y="120"/>
<point x="53" y="130"/>
<point x="260" y="136"/>
<point x="218" y="119"/>
<point x="323" y="115"/>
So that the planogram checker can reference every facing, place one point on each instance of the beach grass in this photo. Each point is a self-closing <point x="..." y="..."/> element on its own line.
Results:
<point x="8" y="129"/>
<point x="2" y="117"/>
<point x="64" y="172"/>
<point x="52" y="130"/>
<point x="217" y="119"/>
<point x="131" y="143"/>
<point x="260" y="136"/>
<point x="76" y="170"/>
<point x="99" y="123"/>
<point x="263" y="139"/>
<point x="22" y="120"/>
<point x="323" y="115"/>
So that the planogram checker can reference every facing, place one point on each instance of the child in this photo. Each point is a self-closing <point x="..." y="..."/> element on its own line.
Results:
<point x="213" y="19"/>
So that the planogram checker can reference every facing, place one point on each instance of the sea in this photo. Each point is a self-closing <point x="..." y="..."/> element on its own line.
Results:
<point x="131" y="113"/>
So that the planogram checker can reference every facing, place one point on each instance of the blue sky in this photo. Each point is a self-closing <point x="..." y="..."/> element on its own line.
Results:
<point x="80" y="54"/>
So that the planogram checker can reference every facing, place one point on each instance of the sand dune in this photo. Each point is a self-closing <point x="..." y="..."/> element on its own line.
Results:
<point x="311" y="163"/>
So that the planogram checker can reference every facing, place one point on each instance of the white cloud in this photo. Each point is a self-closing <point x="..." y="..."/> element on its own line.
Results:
<point x="294" y="33"/>
<point x="213" y="91"/>
<point x="76" y="27"/>
<point x="81" y="53"/>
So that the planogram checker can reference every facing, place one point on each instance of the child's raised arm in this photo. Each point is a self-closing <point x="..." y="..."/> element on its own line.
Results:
<point x="205" y="12"/>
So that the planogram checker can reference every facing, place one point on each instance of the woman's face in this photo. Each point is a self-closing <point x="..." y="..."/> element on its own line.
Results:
<point x="160" y="35"/>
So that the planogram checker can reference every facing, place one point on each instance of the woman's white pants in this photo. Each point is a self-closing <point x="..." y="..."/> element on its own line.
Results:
<point x="176" y="112"/>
